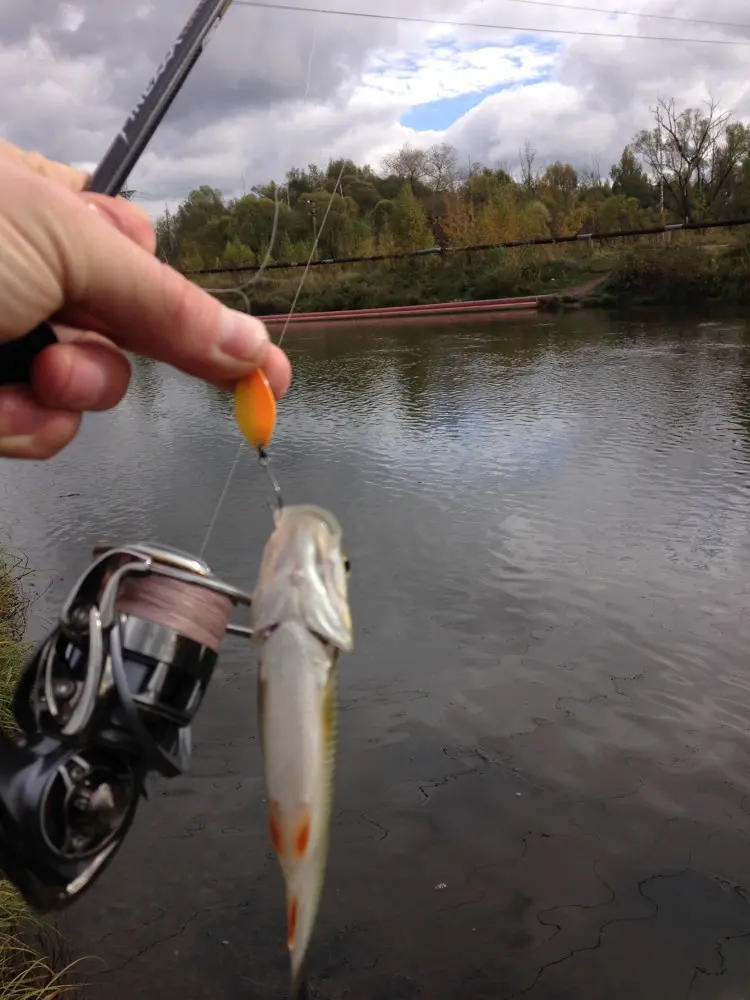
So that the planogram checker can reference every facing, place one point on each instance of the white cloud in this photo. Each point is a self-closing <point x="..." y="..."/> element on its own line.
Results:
<point x="397" y="81"/>
<point x="276" y="89"/>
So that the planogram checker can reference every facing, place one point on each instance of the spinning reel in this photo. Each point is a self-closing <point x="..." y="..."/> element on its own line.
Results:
<point x="107" y="697"/>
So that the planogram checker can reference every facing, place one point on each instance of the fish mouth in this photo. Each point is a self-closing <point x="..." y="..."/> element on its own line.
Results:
<point x="304" y="537"/>
<point x="307" y="511"/>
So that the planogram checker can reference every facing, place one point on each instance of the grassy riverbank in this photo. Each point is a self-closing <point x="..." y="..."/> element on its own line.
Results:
<point x="415" y="281"/>
<point x="684" y="272"/>
<point x="28" y="963"/>
<point x="681" y="276"/>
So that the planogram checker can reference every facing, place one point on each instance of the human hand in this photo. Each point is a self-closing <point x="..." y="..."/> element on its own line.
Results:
<point x="88" y="261"/>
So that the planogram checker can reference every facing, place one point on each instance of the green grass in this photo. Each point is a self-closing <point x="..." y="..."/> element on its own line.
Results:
<point x="685" y="270"/>
<point x="420" y="281"/>
<point x="28" y="970"/>
<point x="13" y="647"/>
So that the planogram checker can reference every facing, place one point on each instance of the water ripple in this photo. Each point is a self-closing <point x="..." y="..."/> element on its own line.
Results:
<point x="548" y="527"/>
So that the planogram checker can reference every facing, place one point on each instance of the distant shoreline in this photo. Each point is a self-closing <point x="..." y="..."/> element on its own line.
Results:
<point x="501" y="308"/>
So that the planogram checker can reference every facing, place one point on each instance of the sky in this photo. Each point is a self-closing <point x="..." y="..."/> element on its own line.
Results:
<point x="276" y="89"/>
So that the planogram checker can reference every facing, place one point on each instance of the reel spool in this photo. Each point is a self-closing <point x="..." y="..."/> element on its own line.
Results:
<point x="107" y="697"/>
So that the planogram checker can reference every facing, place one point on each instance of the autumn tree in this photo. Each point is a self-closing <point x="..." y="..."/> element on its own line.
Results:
<point x="270" y="190"/>
<point x="736" y="201"/>
<point x="421" y="198"/>
<point x="592" y="187"/>
<point x="529" y="176"/>
<point x="167" y="248"/>
<point x="558" y="189"/>
<point x="409" y="223"/>
<point x="692" y="153"/>
<point x="441" y="167"/>
<point x="630" y="180"/>
<point x="202" y="224"/>
<point x="237" y="254"/>
<point x="253" y="220"/>
<point x="616" y="212"/>
<point x="357" y="183"/>
<point x="408" y="164"/>
<point x="591" y="176"/>
<point x="299" y="182"/>
<point x="484" y="184"/>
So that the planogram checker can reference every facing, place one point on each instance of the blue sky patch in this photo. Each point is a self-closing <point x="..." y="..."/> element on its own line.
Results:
<point x="440" y="115"/>
<point x="547" y="45"/>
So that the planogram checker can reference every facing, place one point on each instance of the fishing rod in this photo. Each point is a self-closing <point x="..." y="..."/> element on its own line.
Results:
<point x="17" y="356"/>
<point x="108" y="697"/>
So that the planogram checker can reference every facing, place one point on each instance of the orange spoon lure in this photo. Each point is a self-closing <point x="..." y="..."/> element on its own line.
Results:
<point x="255" y="409"/>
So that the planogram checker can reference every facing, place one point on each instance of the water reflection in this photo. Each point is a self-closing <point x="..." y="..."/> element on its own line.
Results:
<point x="543" y="786"/>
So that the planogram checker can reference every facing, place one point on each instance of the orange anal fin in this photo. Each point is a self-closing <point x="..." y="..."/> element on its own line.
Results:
<point x="302" y="840"/>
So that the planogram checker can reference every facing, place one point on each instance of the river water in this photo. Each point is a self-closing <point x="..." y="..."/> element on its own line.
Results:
<point x="544" y="772"/>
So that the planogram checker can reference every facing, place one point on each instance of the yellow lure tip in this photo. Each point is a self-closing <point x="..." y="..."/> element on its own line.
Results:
<point x="255" y="408"/>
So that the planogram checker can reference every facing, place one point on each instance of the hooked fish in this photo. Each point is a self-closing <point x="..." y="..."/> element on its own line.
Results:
<point x="300" y="615"/>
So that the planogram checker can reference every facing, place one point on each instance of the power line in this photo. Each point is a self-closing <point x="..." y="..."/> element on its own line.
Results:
<point x="632" y="13"/>
<point x="602" y="10"/>
<point x="498" y="27"/>
<point x="510" y="245"/>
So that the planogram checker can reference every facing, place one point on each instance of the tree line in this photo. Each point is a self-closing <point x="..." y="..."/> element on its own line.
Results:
<point x="689" y="165"/>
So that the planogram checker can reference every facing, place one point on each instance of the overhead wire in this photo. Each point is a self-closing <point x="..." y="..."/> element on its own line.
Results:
<point x="631" y="13"/>
<point x="535" y="29"/>
<point x="444" y="250"/>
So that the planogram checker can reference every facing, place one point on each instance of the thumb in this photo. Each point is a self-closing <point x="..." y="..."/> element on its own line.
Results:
<point x="65" y="251"/>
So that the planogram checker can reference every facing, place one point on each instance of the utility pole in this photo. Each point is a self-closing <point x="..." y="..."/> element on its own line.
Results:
<point x="661" y="171"/>
<point x="314" y="214"/>
<point x="471" y="192"/>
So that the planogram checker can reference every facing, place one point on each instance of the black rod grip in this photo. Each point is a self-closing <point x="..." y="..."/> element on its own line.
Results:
<point x="17" y="356"/>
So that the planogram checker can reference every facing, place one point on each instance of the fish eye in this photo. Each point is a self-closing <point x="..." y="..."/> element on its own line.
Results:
<point x="347" y="564"/>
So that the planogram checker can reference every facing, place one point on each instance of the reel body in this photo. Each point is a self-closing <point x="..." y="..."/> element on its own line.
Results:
<point x="106" y="698"/>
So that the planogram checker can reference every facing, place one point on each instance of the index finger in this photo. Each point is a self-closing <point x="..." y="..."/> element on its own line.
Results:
<point x="70" y="177"/>
<point x="153" y="310"/>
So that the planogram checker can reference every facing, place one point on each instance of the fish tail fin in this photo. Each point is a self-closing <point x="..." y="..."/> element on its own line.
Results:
<point x="300" y="988"/>
<point x="302" y="910"/>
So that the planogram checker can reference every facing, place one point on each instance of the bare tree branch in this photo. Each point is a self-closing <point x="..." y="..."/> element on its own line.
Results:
<point x="692" y="153"/>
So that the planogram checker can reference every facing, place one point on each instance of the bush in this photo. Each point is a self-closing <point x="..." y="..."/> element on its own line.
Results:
<point x="25" y="974"/>
<point x="683" y="273"/>
<point x="418" y="281"/>
<point x="666" y="276"/>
